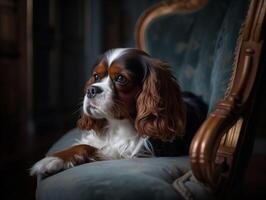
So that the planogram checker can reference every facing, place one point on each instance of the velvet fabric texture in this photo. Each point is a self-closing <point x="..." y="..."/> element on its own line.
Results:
<point x="141" y="178"/>
<point x="199" y="46"/>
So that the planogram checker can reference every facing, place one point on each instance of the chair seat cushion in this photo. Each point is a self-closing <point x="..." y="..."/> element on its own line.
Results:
<point x="140" y="178"/>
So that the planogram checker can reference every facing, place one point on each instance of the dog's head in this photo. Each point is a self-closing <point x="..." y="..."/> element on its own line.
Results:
<point x="129" y="84"/>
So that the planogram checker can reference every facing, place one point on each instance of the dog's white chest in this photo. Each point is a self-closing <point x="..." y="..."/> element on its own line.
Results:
<point x="120" y="140"/>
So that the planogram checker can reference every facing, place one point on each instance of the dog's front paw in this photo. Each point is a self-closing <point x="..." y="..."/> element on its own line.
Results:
<point x="65" y="159"/>
<point x="48" y="165"/>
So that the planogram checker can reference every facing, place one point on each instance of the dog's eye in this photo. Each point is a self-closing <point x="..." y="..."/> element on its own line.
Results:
<point x="120" y="79"/>
<point x="96" y="77"/>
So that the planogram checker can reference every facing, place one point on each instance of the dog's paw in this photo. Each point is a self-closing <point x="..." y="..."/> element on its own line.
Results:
<point x="65" y="159"/>
<point x="48" y="165"/>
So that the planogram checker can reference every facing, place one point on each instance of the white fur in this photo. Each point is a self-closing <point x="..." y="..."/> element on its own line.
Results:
<point x="114" y="54"/>
<point x="100" y="105"/>
<point x="47" y="165"/>
<point x="119" y="141"/>
<point x="52" y="164"/>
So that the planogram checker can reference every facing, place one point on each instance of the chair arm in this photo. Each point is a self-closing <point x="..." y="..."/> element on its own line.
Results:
<point x="207" y="142"/>
<point x="231" y="114"/>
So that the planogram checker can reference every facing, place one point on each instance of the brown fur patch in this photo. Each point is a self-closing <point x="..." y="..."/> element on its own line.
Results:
<point x="88" y="123"/>
<point x="101" y="70"/>
<point x="77" y="154"/>
<point x="160" y="108"/>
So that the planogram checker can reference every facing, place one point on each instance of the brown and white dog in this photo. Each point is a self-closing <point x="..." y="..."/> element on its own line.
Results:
<point x="133" y="107"/>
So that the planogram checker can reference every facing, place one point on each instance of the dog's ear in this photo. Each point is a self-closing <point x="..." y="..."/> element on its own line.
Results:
<point x="160" y="108"/>
<point x="87" y="123"/>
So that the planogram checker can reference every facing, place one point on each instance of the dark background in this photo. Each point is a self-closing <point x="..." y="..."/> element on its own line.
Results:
<point x="67" y="38"/>
<point x="46" y="50"/>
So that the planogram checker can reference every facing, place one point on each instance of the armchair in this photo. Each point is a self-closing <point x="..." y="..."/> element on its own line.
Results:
<point x="222" y="43"/>
<point x="201" y="40"/>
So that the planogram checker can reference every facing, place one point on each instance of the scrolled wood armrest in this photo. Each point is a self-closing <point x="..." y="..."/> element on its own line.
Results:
<point x="205" y="144"/>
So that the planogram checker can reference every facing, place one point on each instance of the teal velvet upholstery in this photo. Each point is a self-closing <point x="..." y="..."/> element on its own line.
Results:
<point x="200" y="48"/>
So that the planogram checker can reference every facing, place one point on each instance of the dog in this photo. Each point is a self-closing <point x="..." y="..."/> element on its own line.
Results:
<point x="132" y="107"/>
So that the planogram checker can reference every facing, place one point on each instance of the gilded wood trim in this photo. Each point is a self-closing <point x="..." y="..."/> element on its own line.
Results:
<point x="160" y="9"/>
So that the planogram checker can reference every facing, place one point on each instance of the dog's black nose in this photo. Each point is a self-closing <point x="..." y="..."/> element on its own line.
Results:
<point x="93" y="91"/>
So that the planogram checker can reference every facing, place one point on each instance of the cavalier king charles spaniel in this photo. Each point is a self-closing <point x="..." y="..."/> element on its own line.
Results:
<point x="132" y="107"/>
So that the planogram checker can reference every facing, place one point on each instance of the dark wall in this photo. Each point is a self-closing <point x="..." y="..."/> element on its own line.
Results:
<point x="68" y="36"/>
<point x="14" y="70"/>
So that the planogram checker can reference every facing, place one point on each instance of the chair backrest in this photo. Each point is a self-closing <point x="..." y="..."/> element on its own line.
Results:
<point x="214" y="48"/>
<point x="198" y="39"/>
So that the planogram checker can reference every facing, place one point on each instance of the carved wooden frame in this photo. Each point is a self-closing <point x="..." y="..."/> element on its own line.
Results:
<point x="163" y="8"/>
<point x="217" y="144"/>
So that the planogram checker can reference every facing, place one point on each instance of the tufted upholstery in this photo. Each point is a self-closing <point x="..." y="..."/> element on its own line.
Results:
<point x="199" y="45"/>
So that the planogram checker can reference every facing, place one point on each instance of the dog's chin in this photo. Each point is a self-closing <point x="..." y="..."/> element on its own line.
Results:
<point x="94" y="112"/>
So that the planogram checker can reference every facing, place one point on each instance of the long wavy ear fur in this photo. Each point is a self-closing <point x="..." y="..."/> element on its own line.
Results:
<point x="88" y="123"/>
<point x="160" y="108"/>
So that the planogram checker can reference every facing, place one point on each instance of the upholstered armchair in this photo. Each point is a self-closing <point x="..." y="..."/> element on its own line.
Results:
<point x="214" y="48"/>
